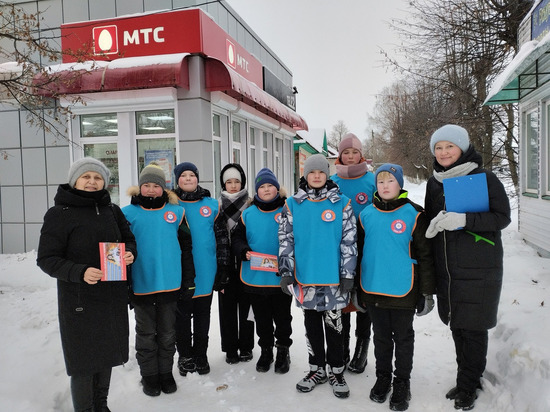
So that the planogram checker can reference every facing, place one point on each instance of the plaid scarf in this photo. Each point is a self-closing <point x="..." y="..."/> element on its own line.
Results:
<point x="232" y="205"/>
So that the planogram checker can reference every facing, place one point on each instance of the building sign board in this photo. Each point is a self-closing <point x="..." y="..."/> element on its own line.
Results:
<point x="150" y="34"/>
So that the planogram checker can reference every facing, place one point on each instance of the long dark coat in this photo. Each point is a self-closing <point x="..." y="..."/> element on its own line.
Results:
<point x="93" y="319"/>
<point x="469" y="273"/>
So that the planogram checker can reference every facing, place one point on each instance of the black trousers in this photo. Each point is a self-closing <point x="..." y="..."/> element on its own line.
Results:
<point x="273" y="319"/>
<point x="362" y="327"/>
<point x="471" y="357"/>
<point x="90" y="392"/>
<point x="393" y="330"/>
<point x="236" y="331"/>
<point x="321" y="326"/>
<point x="155" y="337"/>
<point x="193" y="326"/>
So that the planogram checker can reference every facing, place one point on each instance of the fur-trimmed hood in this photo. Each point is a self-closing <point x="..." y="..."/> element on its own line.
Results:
<point x="172" y="197"/>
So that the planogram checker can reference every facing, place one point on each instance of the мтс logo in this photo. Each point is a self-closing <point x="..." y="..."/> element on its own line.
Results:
<point x="105" y="39"/>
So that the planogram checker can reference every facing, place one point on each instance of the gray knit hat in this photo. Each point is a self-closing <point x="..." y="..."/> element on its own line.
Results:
<point x="153" y="173"/>
<point x="316" y="162"/>
<point x="451" y="133"/>
<point x="88" y="164"/>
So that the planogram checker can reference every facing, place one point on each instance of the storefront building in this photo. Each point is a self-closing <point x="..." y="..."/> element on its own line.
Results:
<point x="526" y="80"/>
<point x="184" y="84"/>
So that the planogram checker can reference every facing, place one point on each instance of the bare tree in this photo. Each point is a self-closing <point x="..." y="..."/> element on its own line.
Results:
<point x="458" y="47"/>
<point x="338" y="131"/>
<point x="26" y="47"/>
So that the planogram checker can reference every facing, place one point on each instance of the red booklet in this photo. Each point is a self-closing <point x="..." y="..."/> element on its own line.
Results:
<point x="112" y="264"/>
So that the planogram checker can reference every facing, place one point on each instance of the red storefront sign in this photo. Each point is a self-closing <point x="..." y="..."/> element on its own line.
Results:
<point x="181" y="31"/>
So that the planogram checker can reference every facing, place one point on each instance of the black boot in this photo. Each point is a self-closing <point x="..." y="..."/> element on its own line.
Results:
<point x="465" y="400"/>
<point x="151" y="385"/>
<point x="359" y="361"/>
<point x="282" y="360"/>
<point x="167" y="382"/>
<point x="401" y="395"/>
<point x="202" y="365"/>
<point x="266" y="359"/>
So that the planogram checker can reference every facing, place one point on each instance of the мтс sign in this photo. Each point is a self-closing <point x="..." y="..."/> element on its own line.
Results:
<point x="105" y="39"/>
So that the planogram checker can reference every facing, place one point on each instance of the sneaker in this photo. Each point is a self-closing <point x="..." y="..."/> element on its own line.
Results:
<point x="232" y="358"/>
<point x="401" y="395"/>
<point x="381" y="388"/>
<point x="265" y="361"/>
<point x="282" y="360"/>
<point x="465" y="400"/>
<point x="167" y="383"/>
<point x="246" y="356"/>
<point x="337" y="381"/>
<point x="202" y="365"/>
<point x="315" y="376"/>
<point x="186" y="365"/>
<point x="151" y="385"/>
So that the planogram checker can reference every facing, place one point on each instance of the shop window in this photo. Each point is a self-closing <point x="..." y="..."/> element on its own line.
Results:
<point x="278" y="156"/>
<point x="217" y="166"/>
<point x="236" y="145"/>
<point x="216" y="125"/>
<point x="547" y="174"/>
<point x="108" y="154"/>
<point x="160" y="151"/>
<point x="252" y="157"/>
<point x="98" y="125"/>
<point x="155" y="122"/>
<point x="531" y="151"/>
<point x="266" y="139"/>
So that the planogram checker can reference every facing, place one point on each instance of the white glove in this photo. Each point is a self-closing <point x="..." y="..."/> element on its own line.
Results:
<point x="446" y="221"/>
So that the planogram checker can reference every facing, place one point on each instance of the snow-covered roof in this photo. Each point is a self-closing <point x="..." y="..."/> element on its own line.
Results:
<point x="505" y="88"/>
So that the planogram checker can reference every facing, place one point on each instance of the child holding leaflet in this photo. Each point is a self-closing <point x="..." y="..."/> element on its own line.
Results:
<point x="257" y="231"/>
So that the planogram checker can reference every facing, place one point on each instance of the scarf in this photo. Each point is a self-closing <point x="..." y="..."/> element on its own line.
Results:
<point x="351" y="171"/>
<point x="150" y="202"/>
<point x="232" y="205"/>
<point x="459" y="170"/>
<point x="197" y="194"/>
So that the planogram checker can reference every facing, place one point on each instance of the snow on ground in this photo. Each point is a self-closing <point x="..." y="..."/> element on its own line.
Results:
<point x="33" y="378"/>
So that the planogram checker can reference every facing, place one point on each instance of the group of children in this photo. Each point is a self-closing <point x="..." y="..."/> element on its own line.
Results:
<point x="348" y="242"/>
<point x="223" y="246"/>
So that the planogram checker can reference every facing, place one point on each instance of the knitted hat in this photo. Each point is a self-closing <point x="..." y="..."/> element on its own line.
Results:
<point x="182" y="167"/>
<point x="316" y="162"/>
<point x="266" y="176"/>
<point x="88" y="164"/>
<point x="152" y="173"/>
<point x="231" y="173"/>
<point x="349" y="141"/>
<point x="395" y="170"/>
<point x="451" y="133"/>
<point x="236" y="166"/>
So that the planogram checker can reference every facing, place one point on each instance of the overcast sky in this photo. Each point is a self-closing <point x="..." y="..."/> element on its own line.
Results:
<point x="333" y="49"/>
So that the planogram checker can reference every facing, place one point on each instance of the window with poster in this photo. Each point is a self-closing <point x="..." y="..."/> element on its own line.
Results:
<point x="160" y="148"/>
<point x="99" y="135"/>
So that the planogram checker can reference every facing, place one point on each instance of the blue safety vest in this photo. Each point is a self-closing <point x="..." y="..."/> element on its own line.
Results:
<point x="387" y="267"/>
<point x="200" y="217"/>
<point x="262" y="237"/>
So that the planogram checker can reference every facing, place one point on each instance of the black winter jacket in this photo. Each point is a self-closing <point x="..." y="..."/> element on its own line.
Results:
<point x="93" y="319"/>
<point x="420" y="250"/>
<point x="469" y="272"/>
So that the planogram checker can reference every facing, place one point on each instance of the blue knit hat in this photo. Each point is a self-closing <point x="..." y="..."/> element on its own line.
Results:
<point x="395" y="170"/>
<point x="451" y="133"/>
<point x="182" y="167"/>
<point x="266" y="176"/>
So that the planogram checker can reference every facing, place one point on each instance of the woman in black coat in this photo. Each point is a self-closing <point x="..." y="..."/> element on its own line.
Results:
<point x="468" y="257"/>
<point x="93" y="315"/>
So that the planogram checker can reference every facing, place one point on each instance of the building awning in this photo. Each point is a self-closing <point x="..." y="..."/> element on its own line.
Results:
<point x="527" y="72"/>
<point x="220" y="77"/>
<point x="121" y="74"/>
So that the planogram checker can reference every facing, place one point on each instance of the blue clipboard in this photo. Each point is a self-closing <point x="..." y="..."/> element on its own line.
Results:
<point x="466" y="193"/>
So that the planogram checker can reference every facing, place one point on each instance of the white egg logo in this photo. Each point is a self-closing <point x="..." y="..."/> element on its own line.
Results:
<point x="105" y="41"/>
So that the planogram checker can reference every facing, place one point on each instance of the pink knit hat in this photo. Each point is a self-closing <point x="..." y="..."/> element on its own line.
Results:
<point x="349" y="141"/>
